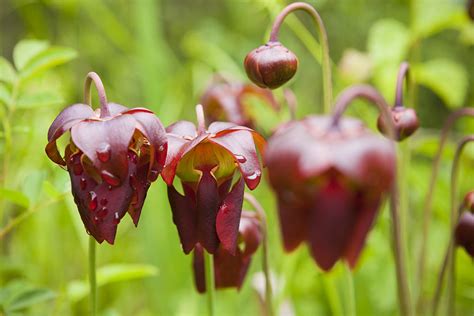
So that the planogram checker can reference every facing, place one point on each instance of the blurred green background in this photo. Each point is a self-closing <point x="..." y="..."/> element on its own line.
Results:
<point x="162" y="55"/>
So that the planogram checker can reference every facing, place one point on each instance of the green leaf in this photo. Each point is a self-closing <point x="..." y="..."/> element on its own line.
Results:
<point x="77" y="290"/>
<point x="388" y="42"/>
<point x="15" y="197"/>
<point x="29" y="298"/>
<point x="5" y="95"/>
<point x="48" y="58"/>
<point x="41" y="99"/>
<point x="446" y="78"/>
<point x="7" y="72"/>
<point x="26" y="50"/>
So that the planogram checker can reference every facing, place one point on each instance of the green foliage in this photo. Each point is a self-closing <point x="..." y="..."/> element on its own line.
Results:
<point x="16" y="297"/>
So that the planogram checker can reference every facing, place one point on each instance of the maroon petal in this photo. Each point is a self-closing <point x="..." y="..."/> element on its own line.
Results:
<point x="293" y="220"/>
<point x="221" y="128"/>
<point x="241" y="145"/>
<point x="364" y="222"/>
<point x="139" y="182"/>
<point x="150" y="126"/>
<point x="63" y="122"/>
<point x="101" y="206"/>
<point x="184" y="217"/>
<point x="207" y="197"/>
<point x="199" y="269"/>
<point x="331" y="221"/>
<point x="228" y="217"/>
<point x="177" y="148"/>
<point x="251" y="232"/>
<point x="183" y="128"/>
<point x="230" y="270"/>
<point x="106" y="144"/>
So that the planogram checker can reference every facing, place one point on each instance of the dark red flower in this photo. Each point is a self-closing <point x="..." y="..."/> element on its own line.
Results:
<point x="230" y="269"/>
<point x="464" y="232"/>
<point x="329" y="181"/>
<point x="111" y="159"/>
<point x="271" y="65"/>
<point x="404" y="120"/>
<point x="206" y="162"/>
<point x="226" y="101"/>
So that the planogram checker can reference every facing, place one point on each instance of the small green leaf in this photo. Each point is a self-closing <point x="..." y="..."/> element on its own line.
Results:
<point x="77" y="290"/>
<point x="444" y="77"/>
<point x="26" y="50"/>
<point x="48" y="58"/>
<point x="7" y="72"/>
<point x="15" y="197"/>
<point x="29" y="298"/>
<point x="5" y="95"/>
<point x="388" y="42"/>
<point x="41" y="99"/>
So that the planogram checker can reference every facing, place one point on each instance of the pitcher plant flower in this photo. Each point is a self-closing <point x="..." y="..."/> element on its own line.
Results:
<point x="227" y="101"/>
<point x="230" y="269"/>
<point x="113" y="155"/>
<point x="207" y="161"/>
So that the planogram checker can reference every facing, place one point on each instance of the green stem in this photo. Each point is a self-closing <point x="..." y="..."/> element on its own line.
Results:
<point x="92" y="277"/>
<point x="332" y="295"/>
<point x="350" y="294"/>
<point x="323" y="37"/>
<point x="210" y="284"/>
<point x="265" y="266"/>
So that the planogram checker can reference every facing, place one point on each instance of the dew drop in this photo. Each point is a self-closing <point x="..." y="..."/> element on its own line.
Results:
<point x="110" y="188"/>
<point x="92" y="201"/>
<point x="161" y="148"/>
<point x="153" y="175"/>
<point x="110" y="178"/>
<point x="240" y="158"/>
<point x="134" y="200"/>
<point x="133" y="181"/>
<point x="103" y="152"/>
<point x="83" y="183"/>
<point x="116" y="218"/>
<point x="103" y="201"/>
<point x="132" y="156"/>
<point x="102" y="212"/>
<point x="254" y="175"/>
<point x="96" y="220"/>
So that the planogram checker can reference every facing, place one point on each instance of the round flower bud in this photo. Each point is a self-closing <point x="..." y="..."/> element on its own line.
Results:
<point x="469" y="201"/>
<point x="404" y="120"/>
<point x="271" y="65"/>
<point x="464" y="232"/>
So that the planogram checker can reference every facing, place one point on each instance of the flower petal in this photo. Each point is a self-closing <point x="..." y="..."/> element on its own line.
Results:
<point x="293" y="220"/>
<point x="184" y="217"/>
<point x="228" y="217"/>
<point x="63" y="122"/>
<point x="230" y="270"/>
<point x="115" y="108"/>
<point x="139" y="182"/>
<point x="251" y="232"/>
<point x="199" y="269"/>
<point x="241" y="145"/>
<point x="182" y="128"/>
<point x="110" y="138"/>
<point x="207" y="197"/>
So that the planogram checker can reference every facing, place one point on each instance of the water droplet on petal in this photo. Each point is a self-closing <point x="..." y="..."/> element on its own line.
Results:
<point x="134" y="200"/>
<point x="96" y="220"/>
<point x="92" y="201"/>
<point x="254" y="175"/>
<point x="132" y="156"/>
<point x="110" y="178"/>
<point x="240" y="158"/>
<point x="116" y="218"/>
<point x="103" y="201"/>
<point x="133" y="181"/>
<point x="161" y="148"/>
<point x="103" y="152"/>
<point x="102" y="212"/>
<point x="110" y="188"/>
<point x="153" y="175"/>
<point x="83" y="183"/>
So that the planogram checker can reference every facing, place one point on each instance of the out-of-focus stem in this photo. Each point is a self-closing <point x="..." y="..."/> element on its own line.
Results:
<point x="326" y="62"/>
<point x="351" y="302"/>
<point x="265" y="266"/>
<point x="403" y="73"/>
<point x="92" y="277"/>
<point x="427" y="205"/>
<point x="210" y="283"/>
<point x="104" y="108"/>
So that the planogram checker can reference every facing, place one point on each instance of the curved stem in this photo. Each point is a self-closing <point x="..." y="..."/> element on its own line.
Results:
<point x="326" y="63"/>
<point x="210" y="283"/>
<point x="266" y="269"/>
<point x="369" y="93"/>
<point x="104" y="108"/>
<point x="200" y="118"/>
<point x="351" y="302"/>
<point x="403" y="76"/>
<point x="454" y="217"/>
<point x="291" y="101"/>
<point x="427" y="210"/>
<point x="92" y="277"/>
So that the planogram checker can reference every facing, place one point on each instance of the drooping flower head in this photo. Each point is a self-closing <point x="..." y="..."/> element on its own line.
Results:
<point x="113" y="155"/>
<point x="226" y="101"/>
<point x="329" y="177"/>
<point x="464" y="232"/>
<point x="230" y="269"/>
<point x="206" y="163"/>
